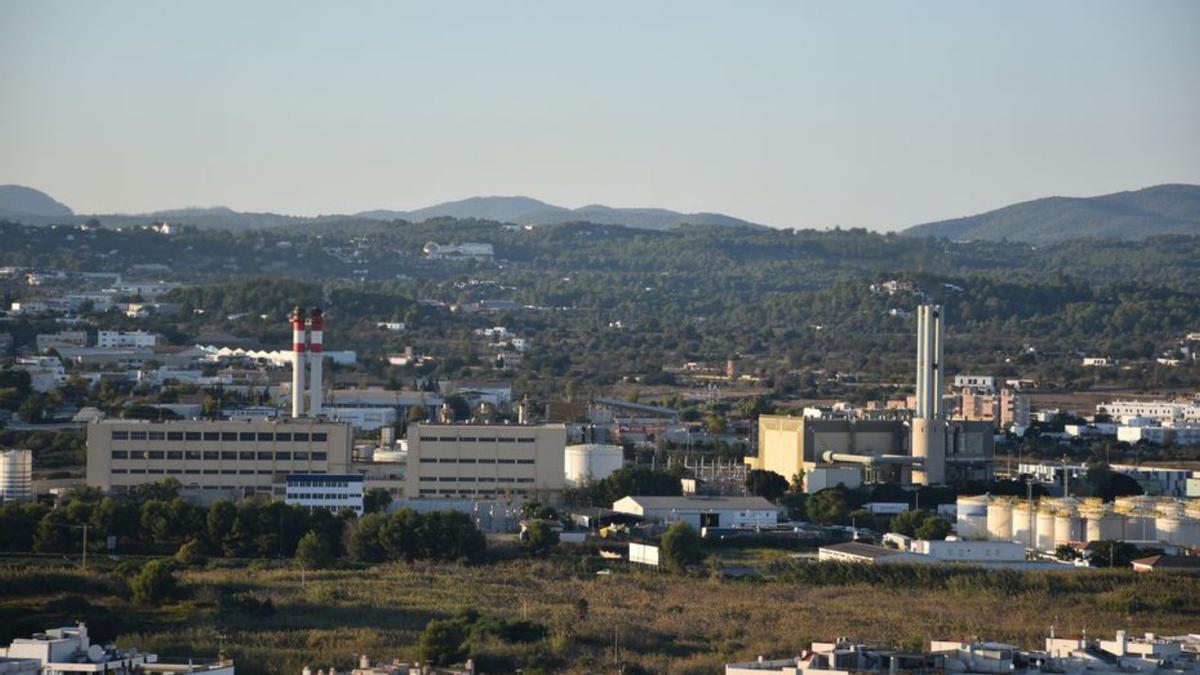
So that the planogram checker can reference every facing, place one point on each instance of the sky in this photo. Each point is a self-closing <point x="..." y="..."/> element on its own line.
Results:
<point x="793" y="114"/>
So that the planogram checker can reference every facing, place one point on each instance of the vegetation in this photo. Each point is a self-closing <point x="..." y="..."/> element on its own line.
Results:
<point x="679" y="547"/>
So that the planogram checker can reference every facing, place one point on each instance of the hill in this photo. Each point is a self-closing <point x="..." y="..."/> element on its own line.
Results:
<point x="1137" y="214"/>
<point x="18" y="200"/>
<point x="529" y="211"/>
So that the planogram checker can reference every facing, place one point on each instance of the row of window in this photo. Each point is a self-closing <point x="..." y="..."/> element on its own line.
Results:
<point x="321" y="483"/>
<point x="223" y="455"/>
<point x="227" y="472"/>
<point x="240" y="436"/>
<point x="468" y="460"/>
<point x="462" y="491"/>
<point x="324" y="496"/>
<point x="472" y="479"/>
<point x="473" y="439"/>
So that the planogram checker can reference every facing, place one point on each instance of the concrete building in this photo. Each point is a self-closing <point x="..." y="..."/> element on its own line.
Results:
<point x="16" y="475"/>
<point x="1158" y="435"/>
<point x="331" y="492"/>
<point x="46" y="373"/>
<point x="66" y="338"/>
<point x="1166" y="412"/>
<point x="700" y="512"/>
<point x="114" y="339"/>
<point x="70" y="650"/>
<point x="215" y="458"/>
<point x="963" y="551"/>
<point x="486" y="461"/>
<point x="869" y="554"/>
<point x="982" y="383"/>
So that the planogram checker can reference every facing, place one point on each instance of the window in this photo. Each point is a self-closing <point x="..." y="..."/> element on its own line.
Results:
<point x="246" y="472"/>
<point x="466" y="461"/>
<point x="506" y="461"/>
<point x="284" y="456"/>
<point x="429" y="439"/>
<point x="154" y="471"/>
<point x="119" y="471"/>
<point x="212" y="436"/>
<point x="227" y="455"/>
<point x="137" y="435"/>
<point x="246" y="436"/>
<point x="300" y="456"/>
<point x="448" y="460"/>
<point x="318" y="456"/>
<point x="154" y="454"/>
<point x="192" y="455"/>
<point x="283" y="438"/>
<point x="424" y="460"/>
<point x="193" y="435"/>
<point x="486" y="440"/>
<point x="120" y="435"/>
<point x="174" y="435"/>
<point x="320" y="438"/>
<point x="266" y="436"/>
<point x="447" y="439"/>
<point x="191" y="470"/>
<point x="226" y="472"/>
<point x="246" y="456"/>
<point x="174" y="454"/>
<point x="211" y="455"/>
<point x="210" y="471"/>
<point x="137" y="471"/>
<point x="157" y="435"/>
<point x="487" y="461"/>
<point x="174" y="471"/>
<point x="300" y="437"/>
<point x="120" y="454"/>
<point x="266" y="456"/>
<point x="526" y="440"/>
<point x="506" y="440"/>
<point x="466" y="439"/>
<point x="466" y="479"/>
<point x="447" y="479"/>
<point x="264" y="472"/>
<point x="229" y="436"/>
<point x="524" y="461"/>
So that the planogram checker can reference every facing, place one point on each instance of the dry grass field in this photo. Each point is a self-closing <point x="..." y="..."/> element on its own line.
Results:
<point x="662" y="623"/>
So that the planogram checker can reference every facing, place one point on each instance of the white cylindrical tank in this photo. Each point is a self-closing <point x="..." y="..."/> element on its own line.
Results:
<point x="973" y="517"/>
<point x="591" y="462"/>
<point x="1044" y="534"/>
<point x="1103" y="523"/>
<point x="1193" y="509"/>
<point x="1169" y="529"/>
<point x="1141" y="525"/>
<point x="1067" y="527"/>
<point x="1189" y="532"/>
<point x="1022" y="523"/>
<point x="999" y="519"/>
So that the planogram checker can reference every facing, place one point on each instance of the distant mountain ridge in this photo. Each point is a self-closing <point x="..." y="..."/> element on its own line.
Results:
<point x="18" y="200"/>
<point x="1136" y="214"/>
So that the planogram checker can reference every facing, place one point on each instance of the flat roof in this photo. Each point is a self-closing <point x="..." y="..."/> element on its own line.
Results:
<point x="703" y="503"/>
<point x="862" y="550"/>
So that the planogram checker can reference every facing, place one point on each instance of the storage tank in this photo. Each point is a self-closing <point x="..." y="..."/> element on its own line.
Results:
<point x="1189" y="531"/>
<point x="1067" y="526"/>
<point x="1022" y="523"/>
<point x="591" y="462"/>
<point x="972" y="520"/>
<point x="1169" y="508"/>
<point x="1169" y="529"/>
<point x="1193" y="509"/>
<point x="1103" y="523"/>
<point x="999" y="519"/>
<point x="1043" y="536"/>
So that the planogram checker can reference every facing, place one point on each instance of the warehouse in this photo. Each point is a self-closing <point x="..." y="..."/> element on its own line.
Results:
<point x="702" y="511"/>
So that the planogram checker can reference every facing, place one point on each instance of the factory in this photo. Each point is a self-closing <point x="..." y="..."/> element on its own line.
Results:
<point x="928" y="449"/>
<point x="1045" y="524"/>
<point x="230" y="459"/>
<point x="486" y="461"/>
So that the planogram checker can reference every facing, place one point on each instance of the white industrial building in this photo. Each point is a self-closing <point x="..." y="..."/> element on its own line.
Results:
<point x="115" y="339"/>
<point x="16" y="475"/>
<point x="70" y="650"/>
<point x="1163" y="411"/>
<point x="702" y="511"/>
<point x="330" y="492"/>
<point x="868" y="554"/>
<point x="964" y="551"/>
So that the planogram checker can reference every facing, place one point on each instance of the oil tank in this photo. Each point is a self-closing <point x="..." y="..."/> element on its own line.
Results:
<point x="1189" y="532"/>
<point x="591" y="462"/>
<point x="999" y="519"/>
<point x="1193" y="509"/>
<point x="1044" y="534"/>
<point x="1103" y="523"/>
<point x="1169" y="529"/>
<point x="1022" y="523"/>
<point x="1068" y="526"/>
<point x="1169" y="508"/>
<point x="972" y="520"/>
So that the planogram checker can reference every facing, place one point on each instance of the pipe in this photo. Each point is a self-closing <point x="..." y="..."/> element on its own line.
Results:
<point x="316" y="358"/>
<point x="869" y="460"/>
<point x="297" y="320"/>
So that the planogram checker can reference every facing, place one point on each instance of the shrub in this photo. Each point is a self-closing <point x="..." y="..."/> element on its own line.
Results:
<point x="680" y="547"/>
<point x="155" y="584"/>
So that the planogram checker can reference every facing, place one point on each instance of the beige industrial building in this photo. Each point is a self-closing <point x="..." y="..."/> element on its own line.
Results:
<point x="486" y="461"/>
<point x="215" y="458"/>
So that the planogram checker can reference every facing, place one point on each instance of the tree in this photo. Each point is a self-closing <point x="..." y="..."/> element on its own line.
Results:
<point x="366" y="543"/>
<point x="155" y="584"/>
<point x="908" y="522"/>
<point x="1112" y="553"/>
<point x="312" y="552"/>
<point x="828" y="507"/>
<point x="219" y="521"/>
<point x="441" y="642"/>
<point x="376" y="500"/>
<point x="933" y="528"/>
<point x="55" y="534"/>
<point x="540" y="538"/>
<point x="190" y="554"/>
<point x="637" y="480"/>
<point x="680" y="547"/>
<point x="862" y="518"/>
<point x="766" y="484"/>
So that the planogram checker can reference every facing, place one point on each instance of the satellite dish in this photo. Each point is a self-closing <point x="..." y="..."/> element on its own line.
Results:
<point x="96" y="654"/>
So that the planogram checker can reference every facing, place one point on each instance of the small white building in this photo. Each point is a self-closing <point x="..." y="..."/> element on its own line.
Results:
<point x="869" y="554"/>
<point x="959" y="550"/>
<point x="332" y="492"/>
<point x="984" y="383"/>
<point x="115" y="339"/>
<point x="702" y="511"/>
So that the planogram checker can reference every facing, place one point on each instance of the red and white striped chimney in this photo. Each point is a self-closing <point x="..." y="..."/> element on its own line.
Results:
<point x="298" y="341"/>
<point x="316" y="325"/>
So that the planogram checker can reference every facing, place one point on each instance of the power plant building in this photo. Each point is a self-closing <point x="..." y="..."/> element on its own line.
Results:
<point x="485" y="461"/>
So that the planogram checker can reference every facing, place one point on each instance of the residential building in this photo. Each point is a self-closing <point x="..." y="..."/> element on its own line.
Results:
<point x="1165" y="412"/>
<point x="46" y="373"/>
<point x="869" y="554"/>
<point x="332" y="492"/>
<point x="982" y="383"/>
<point x="66" y="338"/>
<point x="60" y="651"/>
<point x="113" y="339"/>
<point x="486" y="460"/>
<point x="216" y="458"/>
<point x="701" y="511"/>
<point x="16" y="475"/>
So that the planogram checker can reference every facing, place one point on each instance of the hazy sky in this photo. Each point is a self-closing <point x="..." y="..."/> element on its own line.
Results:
<point x="793" y="114"/>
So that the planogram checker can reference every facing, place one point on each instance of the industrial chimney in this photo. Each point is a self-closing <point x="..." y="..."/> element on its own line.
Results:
<point x="928" y="427"/>
<point x="298" y="341"/>
<point x="316" y="324"/>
